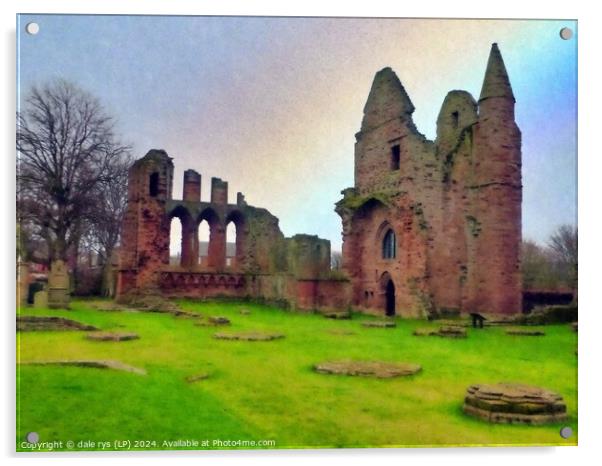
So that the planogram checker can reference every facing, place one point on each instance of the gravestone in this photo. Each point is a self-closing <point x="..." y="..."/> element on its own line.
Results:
<point x="40" y="299"/>
<point x="58" y="286"/>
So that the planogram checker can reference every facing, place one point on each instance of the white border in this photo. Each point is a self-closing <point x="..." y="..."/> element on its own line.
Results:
<point x="590" y="172"/>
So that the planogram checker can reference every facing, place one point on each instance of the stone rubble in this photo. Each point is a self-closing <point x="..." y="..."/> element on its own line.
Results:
<point x="513" y="403"/>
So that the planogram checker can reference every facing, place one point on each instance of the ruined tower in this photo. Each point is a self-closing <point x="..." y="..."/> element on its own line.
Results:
<point x="433" y="226"/>
<point x="145" y="233"/>
<point x="497" y="193"/>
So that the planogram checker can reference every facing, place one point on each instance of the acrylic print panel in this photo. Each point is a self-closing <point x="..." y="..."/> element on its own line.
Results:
<point x="268" y="233"/>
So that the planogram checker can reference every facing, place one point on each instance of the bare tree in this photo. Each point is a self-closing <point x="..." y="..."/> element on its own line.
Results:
<point x="563" y="244"/>
<point x="336" y="260"/>
<point x="539" y="268"/>
<point x="105" y="220"/>
<point x="67" y="152"/>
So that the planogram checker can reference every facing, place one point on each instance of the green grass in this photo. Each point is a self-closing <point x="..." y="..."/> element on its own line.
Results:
<point x="268" y="391"/>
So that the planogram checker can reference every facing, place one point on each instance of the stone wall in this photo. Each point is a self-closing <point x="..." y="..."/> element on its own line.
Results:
<point x="453" y="204"/>
<point x="267" y="266"/>
<point x="429" y="226"/>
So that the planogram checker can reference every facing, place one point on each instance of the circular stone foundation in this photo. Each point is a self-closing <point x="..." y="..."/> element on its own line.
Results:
<point x="451" y="331"/>
<point x="446" y="331"/>
<point x="512" y="403"/>
<point x="197" y="377"/>
<point x="248" y="336"/>
<point x="110" y="336"/>
<point x="379" y="324"/>
<point x="524" y="332"/>
<point x="213" y="321"/>
<point x="378" y="369"/>
<point x="339" y="315"/>
<point x="33" y="323"/>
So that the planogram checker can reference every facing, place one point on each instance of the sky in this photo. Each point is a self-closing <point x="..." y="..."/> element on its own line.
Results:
<point x="271" y="105"/>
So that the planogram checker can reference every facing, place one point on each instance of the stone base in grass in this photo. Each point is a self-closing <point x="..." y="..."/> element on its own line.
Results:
<point x="344" y="315"/>
<point x="379" y="323"/>
<point x="187" y="315"/>
<point x="244" y="312"/>
<point x="214" y="321"/>
<point x="109" y="306"/>
<point x="445" y="331"/>
<point x="450" y="331"/>
<point x="37" y="323"/>
<point x="453" y="323"/>
<point x="512" y="403"/>
<point x="248" y="336"/>
<point x="218" y="320"/>
<point x="426" y="332"/>
<point x="96" y="364"/>
<point x="148" y="302"/>
<point x="111" y="336"/>
<point x="525" y="332"/>
<point x="575" y="326"/>
<point x="378" y="369"/>
<point x="197" y="377"/>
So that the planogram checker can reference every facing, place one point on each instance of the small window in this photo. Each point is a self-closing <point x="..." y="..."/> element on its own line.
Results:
<point x="154" y="185"/>
<point x="455" y="119"/>
<point x="395" y="156"/>
<point x="389" y="245"/>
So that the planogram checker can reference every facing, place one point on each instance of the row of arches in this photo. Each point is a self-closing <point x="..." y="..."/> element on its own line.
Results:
<point x="206" y="242"/>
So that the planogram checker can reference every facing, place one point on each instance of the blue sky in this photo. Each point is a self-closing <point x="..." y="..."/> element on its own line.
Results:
<point x="272" y="104"/>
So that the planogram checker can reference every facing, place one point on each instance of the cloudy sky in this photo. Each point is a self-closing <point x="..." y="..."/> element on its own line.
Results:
<point x="271" y="105"/>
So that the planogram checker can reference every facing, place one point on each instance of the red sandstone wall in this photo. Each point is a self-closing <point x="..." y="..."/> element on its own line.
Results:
<point x="145" y="233"/>
<point x="459" y="247"/>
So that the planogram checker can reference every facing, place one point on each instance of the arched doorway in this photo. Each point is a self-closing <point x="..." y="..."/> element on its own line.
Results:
<point x="390" y="298"/>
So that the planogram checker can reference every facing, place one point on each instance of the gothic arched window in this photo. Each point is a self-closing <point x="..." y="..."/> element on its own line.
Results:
<point x="389" y="245"/>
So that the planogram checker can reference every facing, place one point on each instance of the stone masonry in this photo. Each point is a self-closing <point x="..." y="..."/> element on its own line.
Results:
<point x="430" y="227"/>
<point x="436" y="225"/>
<point x="294" y="272"/>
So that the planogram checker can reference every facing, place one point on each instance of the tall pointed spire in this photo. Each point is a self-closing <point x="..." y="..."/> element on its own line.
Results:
<point x="496" y="82"/>
<point x="387" y="100"/>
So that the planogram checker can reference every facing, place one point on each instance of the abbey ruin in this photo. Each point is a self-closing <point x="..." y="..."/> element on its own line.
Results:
<point x="428" y="226"/>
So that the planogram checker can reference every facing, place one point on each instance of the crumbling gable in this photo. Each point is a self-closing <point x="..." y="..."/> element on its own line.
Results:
<point x="452" y="207"/>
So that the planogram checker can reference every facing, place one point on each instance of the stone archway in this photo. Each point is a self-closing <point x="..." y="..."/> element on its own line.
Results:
<point x="390" y="298"/>
<point x="388" y="294"/>
<point x="238" y="220"/>
<point x="216" y="247"/>
<point x="188" y="245"/>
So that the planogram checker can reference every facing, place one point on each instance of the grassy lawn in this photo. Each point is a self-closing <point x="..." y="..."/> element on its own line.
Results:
<point x="268" y="390"/>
